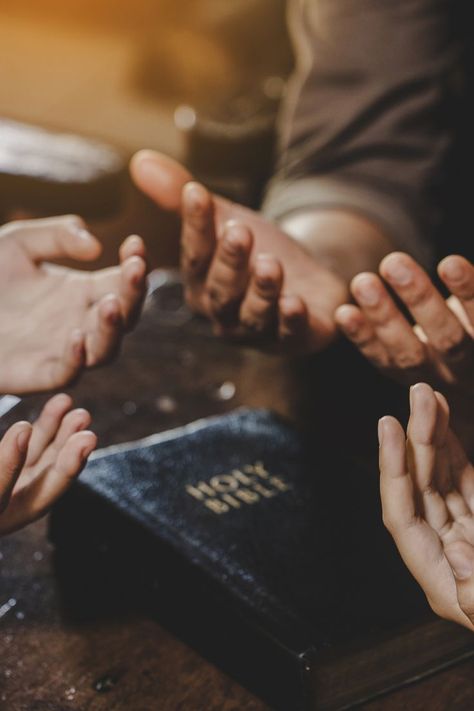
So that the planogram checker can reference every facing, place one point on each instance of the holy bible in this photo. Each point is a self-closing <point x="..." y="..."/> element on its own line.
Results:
<point x="268" y="557"/>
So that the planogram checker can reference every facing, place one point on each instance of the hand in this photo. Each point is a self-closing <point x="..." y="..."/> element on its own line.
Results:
<point x="56" y="321"/>
<point x="244" y="273"/>
<point x="427" y="489"/>
<point x="38" y="463"/>
<point x="439" y="348"/>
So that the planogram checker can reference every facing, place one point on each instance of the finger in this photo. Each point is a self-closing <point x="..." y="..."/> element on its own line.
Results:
<point x="198" y="237"/>
<point x="132" y="291"/>
<point x="443" y="479"/>
<point x="293" y="327"/>
<point x="258" y="312"/>
<point x="56" y="237"/>
<point x="396" y="485"/>
<point x="418" y="544"/>
<point x="104" y="332"/>
<point x="406" y="352"/>
<point x="159" y="177"/>
<point x="132" y="246"/>
<point x="47" y="425"/>
<point x="460" y="556"/>
<point x="66" y="369"/>
<point x="13" y="452"/>
<point x="358" y="329"/>
<point x="443" y="330"/>
<point x="32" y="500"/>
<point x="75" y="421"/>
<point x="228" y="274"/>
<point x="458" y="275"/>
<point x="424" y="439"/>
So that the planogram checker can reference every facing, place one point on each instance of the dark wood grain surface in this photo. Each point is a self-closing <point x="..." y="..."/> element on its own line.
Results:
<point x="171" y="372"/>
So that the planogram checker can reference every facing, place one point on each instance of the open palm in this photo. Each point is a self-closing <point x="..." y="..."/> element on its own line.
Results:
<point x="54" y="321"/>
<point x="427" y="488"/>
<point x="38" y="463"/>
<point x="244" y="273"/>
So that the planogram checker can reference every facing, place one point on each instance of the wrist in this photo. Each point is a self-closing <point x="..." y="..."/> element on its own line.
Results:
<point x="344" y="242"/>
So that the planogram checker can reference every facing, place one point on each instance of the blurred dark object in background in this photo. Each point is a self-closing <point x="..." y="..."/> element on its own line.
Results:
<point x="199" y="79"/>
<point x="57" y="172"/>
<point x="230" y="147"/>
<point x="44" y="173"/>
<point x="226" y="67"/>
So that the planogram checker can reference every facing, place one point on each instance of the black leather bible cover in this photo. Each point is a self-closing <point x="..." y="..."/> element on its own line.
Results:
<point x="273" y="562"/>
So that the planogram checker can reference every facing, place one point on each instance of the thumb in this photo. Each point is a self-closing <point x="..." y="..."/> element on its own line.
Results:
<point x="55" y="238"/>
<point x="460" y="556"/>
<point x="159" y="177"/>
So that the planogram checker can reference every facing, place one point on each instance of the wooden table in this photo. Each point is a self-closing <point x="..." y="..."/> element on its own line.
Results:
<point x="172" y="371"/>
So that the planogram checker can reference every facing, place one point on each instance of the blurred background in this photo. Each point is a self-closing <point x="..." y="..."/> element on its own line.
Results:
<point x="198" y="79"/>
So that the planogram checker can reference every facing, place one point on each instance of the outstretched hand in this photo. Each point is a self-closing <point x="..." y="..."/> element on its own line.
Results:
<point x="440" y="348"/>
<point x="427" y="489"/>
<point x="38" y="463"/>
<point x="251" y="279"/>
<point x="56" y="321"/>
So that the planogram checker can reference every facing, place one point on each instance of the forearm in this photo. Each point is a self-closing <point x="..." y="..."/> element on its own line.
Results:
<point x="364" y="140"/>
<point x="343" y="241"/>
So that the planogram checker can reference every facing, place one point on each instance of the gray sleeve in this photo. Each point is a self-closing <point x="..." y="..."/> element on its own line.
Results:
<point x="370" y="114"/>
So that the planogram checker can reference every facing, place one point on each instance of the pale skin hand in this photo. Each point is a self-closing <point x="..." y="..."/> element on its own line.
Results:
<point x="39" y="462"/>
<point x="254" y="280"/>
<point x="439" y="349"/>
<point x="54" y="322"/>
<point x="427" y="490"/>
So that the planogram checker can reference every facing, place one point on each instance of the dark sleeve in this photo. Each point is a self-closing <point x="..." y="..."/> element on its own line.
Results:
<point x="370" y="113"/>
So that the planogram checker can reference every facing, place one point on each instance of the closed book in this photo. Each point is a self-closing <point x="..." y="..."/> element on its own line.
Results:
<point x="267" y="556"/>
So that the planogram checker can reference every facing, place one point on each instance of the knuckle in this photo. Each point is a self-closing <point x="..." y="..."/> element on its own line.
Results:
<point x="193" y="263"/>
<point x="418" y="295"/>
<point x="232" y="255"/>
<point x="412" y="359"/>
<point x="379" y="360"/>
<point x="453" y="344"/>
<point x="267" y="289"/>
<point x="218" y="297"/>
<point x="253" y="324"/>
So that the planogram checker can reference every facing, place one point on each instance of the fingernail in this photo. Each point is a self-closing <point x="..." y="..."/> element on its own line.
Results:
<point x="400" y="274"/>
<point x="454" y="270"/>
<point x="460" y="563"/>
<point x="84" y="235"/>
<point x="147" y="166"/>
<point x="192" y="198"/>
<point x="22" y="439"/>
<point x="369" y="294"/>
<point x="233" y="240"/>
